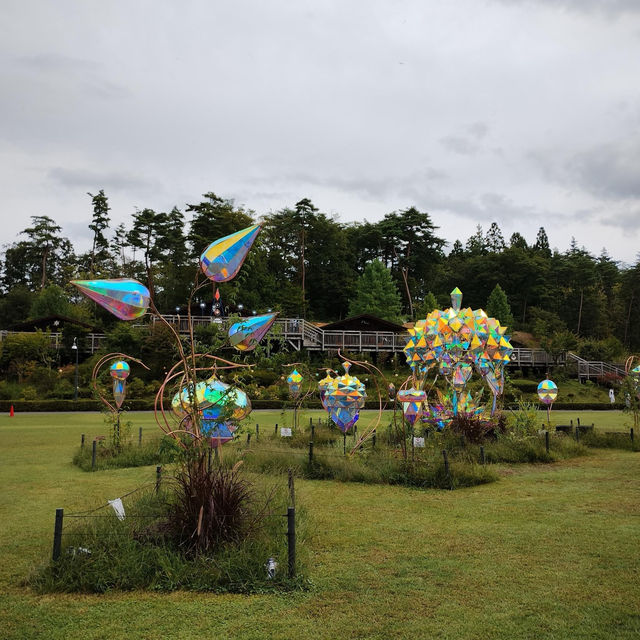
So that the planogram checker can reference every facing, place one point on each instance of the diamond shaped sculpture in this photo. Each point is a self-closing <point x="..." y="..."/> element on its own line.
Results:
<point x="412" y="404"/>
<point x="246" y="334"/>
<point x="344" y="399"/>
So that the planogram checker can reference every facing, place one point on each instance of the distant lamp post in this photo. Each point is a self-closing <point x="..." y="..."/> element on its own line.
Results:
<point x="240" y="307"/>
<point x="74" y="346"/>
<point x="254" y="312"/>
<point x="202" y="306"/>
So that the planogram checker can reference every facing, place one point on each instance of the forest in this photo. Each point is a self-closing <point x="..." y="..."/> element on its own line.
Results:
<point x="310" y="264"/>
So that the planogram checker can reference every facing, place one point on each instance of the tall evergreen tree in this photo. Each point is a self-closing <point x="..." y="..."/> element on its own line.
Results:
<point x="376" y="293"/>
<point x="498" y="307"/>
<point x="99" y="222"/>
<point x="494" y="239"/>
<point x="542" y="243"/>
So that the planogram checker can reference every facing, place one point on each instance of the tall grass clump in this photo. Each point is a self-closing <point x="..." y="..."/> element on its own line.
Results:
<point x="153" y="451"/>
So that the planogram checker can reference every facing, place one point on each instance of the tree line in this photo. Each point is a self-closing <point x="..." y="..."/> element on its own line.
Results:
<point x="310" y="264"/>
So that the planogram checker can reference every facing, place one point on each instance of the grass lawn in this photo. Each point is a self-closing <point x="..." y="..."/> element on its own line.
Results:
<point x="549" y="551"/>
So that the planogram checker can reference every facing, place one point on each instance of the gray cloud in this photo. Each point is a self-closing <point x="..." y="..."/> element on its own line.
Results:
<point x="94" y="180"/>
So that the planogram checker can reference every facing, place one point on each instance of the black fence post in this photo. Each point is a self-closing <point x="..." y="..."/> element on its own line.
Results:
<point x="344" y="443"/>
<point x="140" y="437"/>
<point x="292" y="489"/>
<point x="445" y="457"/>
<point x="311" y="422"/>
<point x="257" y="431"/>
<point x="275" y="431"/>
<point x="631" y="434"/>
<point x="82" y="441"/>
<point x="311" y="451"/>
<point x="482" y="458"/>
<point x="57" y="534"/>
<point x="248" y="439"/>
<point x="291" y="539"/>
<point x="313" y="431"/>
<point x="93" y="455"/>
<point x="158" y="478"/>
<point x="546" y="441"/>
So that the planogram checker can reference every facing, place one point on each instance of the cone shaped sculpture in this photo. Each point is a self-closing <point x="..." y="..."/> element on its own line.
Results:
<point x="246" y="334"/>
<point x="222" y="259"/>
<point x="127" y="299"/>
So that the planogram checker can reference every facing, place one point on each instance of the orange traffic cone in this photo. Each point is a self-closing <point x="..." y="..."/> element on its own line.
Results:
<point x="11" y="412"/>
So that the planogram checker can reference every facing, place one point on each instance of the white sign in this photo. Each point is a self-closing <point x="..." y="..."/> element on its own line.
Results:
<point x="285" y="433"/>
<point x="418" y="442"/>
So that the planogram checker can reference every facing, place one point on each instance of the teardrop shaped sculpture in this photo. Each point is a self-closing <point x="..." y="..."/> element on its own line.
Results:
<point x="246" y="334"/>
<point x="127" y="299"/>
<point x="222" y="259"/>
<point x="294" y="380"/>
<point x="119" y="371"/>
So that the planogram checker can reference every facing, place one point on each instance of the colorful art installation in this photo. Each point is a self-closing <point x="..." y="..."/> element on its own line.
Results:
<point x="222" y="259"/>
<point x="391" y="390"/>
<point x="127" y="299"/>
<point x="119" y="371"/>
<point x="455" y="343"/>
<point x="324" y="385"/>
<point x="294" y="380"/>
<point x="246" y="334"/>
<point x="344" y="399"/>
<point x="220" y="406"/>
<point x="412" y="401"/>
<point x="548" y="392"/>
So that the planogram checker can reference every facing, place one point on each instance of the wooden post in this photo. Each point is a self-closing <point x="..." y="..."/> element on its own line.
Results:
<point x="93" y="455"/>
<point x="482" y="458"/>
<point x="82" y="441"/>
<point x="313" y="431"/>
<point x="257" y="431"/>
<point x="275" y="431"/>
<point x="311" y="452"/>
<point x="158" y="478"/>
<point x="248" y="439"/>
<point x="631" y="434"/>
<point x="57" y="534"/>
<point x="311" y="422"/>
<point x="140" y="437"/>
<point x="546" y="441"/>
<point x="292" y="489"/>
<point x="291" y="540"/>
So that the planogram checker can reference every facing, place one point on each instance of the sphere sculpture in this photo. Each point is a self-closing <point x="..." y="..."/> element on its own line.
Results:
<point x="119" y="371"/>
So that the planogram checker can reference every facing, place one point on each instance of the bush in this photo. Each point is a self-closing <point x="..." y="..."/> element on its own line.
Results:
<point x="104" y="554"/>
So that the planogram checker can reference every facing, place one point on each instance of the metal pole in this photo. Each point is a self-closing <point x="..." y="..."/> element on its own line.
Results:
<point x="311" y="451"/>
<point x="631" y="434"/>
<point x="292" y="489"/>
<point x="140" y="437"/>
<point x="313" y="431"/>
<point x="248" y="439"/>
<point x="374" y="439"/>
<point x="257" y="431"/>
<point x="344" y="443"/>
<point x="75" y="393"/>
<point x="291" y="539"/>
<point x="57" y="534"/>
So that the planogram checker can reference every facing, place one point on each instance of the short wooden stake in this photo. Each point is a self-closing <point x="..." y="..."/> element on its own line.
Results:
<point x="248" y="439"/>
<point x="631" y="434"/>
<point x="257" y="431"/>
<point x="158" y="478"/>
<point x="93" y="455"/>
<point x="275" y="431"/>
<point x="82" y="441"/>
<point x="57" y="534"/>
<point x="140" y="437"/>
<point x="546" y="441"/>
<point x="313" y="431"/>
<point x="482" y="458"/>
<point x="344" y="443"/>
<point x="311" y="451"/>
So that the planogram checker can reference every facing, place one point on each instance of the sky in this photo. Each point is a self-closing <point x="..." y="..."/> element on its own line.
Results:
<point x="523" y="112"/>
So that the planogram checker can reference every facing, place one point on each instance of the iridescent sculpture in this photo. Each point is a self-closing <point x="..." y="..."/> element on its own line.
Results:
<point x="412" y="404"/>
<point x="246" y="334"/>
<point x="222" y="259"/>
<point x="119" y="372"/>
<point x="344" y="399"/>
<point x="459" y="341"/>
<point x="127" y="299"/>
<point x="294" y="380"/>
<point x="548" y="392"/>
<point x="324" y="385"/>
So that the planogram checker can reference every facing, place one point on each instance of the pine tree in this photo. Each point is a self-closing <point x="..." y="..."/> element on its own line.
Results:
<point x="517" y="241"/>
<point x="542" y="243"/>
<point x="377" y="294"/>
<point x="498" y="307"/>
<point x="427" y="305"/>
<point x="494" y="239"/>
<point x="100" y="222"/>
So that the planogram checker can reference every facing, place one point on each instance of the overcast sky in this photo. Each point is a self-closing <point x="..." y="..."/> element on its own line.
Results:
<point x="522" y="112"/>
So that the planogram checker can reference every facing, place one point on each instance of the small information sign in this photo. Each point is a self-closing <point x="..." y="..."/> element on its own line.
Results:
<point x="418" y="442"/>
<point x="285" y="432"/>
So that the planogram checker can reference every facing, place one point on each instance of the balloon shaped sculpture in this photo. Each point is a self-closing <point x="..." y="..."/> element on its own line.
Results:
<point x="344" y="399"/>
<point x="547" y="393"/>
<point x="246" y="334"/>
<point x="125" y="298"/>
<point x="220" y="406"/>
<point x="456" y="342"/>
<point x="119" y="372"/>
<point x="222" y="259"/>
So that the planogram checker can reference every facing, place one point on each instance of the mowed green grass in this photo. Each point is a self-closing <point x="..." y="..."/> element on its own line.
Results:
<point x="549" y="551"/>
